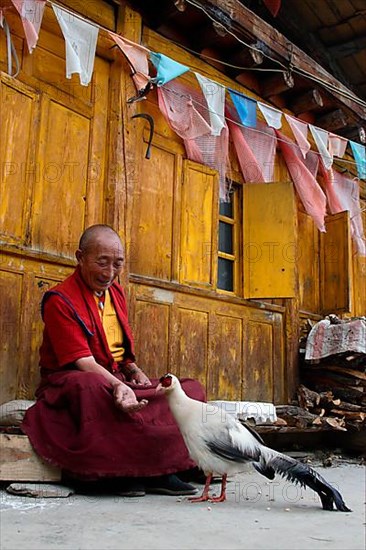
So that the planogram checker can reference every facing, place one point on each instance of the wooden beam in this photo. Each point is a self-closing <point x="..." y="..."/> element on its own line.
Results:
<point x="350" y="47"/>
<point x="247" y="57"/>
<point x="333" y="121"/>
<point x="212" y="56"/>
<point x="247" y="21"/>
<point x="308" y="101"/>
<point x="355" y="133"/>
<point x="276" y="84"/>
<point x="248" y="80"/>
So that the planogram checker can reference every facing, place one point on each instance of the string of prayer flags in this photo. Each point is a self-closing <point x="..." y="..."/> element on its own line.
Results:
<point x="81" y="42"/>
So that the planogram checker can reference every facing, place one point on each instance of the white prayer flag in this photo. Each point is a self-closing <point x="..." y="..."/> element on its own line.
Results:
<point x="81" y="42"/>
<point x="337" y="145"/>
<point x="300" y="131"/>
<point x="272" y="116"/>
<point x="215" y="96"/>
<point x="321" y="139"/>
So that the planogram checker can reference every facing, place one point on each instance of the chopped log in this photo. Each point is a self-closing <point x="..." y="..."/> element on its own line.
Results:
<point x="345" y="371"/>
<point x="348" y="406"/>
<point x="307" y="102"/>
<point x="349" y="395"/>
<point x="295" y="416"/>
<point x="328" y="378"/>
<point x="308" y="399"/>
<point x="349" y="415"/>
<point x="336" y="423"/>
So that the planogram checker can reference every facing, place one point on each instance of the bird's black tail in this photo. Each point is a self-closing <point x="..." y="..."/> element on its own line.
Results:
<point x="272" y="462"/>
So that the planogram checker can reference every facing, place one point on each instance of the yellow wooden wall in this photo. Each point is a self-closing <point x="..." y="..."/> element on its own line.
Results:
<point x="72" y="156"/>
<point x="54" y="147"/>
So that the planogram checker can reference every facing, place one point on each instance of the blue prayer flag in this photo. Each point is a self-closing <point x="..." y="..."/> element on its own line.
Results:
<point x="246" y="108"/>
<point x="167" y="69"/>
<point x="359" y="153"/>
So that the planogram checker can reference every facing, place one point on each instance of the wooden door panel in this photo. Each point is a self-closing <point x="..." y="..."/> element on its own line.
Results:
<point x="151" y="330"/>
<point x="336" y="266"/>
<point x="198" y="244"/>
<point x="152" y="234"/>
<point x="18" y="109"/>
<point x="258" y="362"/>
<point x="308" y="264"/>
<point x="190" y="355"/>
<point x="59" y="201"/>
<point x="11" y="290"/>
<point x="225" y="365"/>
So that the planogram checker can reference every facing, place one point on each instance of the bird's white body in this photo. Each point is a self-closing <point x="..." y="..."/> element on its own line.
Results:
<point x="201" y="423"/>
<point x="220" y="445"/>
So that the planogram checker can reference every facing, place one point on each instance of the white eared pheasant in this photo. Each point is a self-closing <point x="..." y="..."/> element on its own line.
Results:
<point x="220" y="445"/>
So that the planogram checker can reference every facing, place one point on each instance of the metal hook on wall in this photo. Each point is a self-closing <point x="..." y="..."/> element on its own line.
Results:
<point x="150" y="120"/>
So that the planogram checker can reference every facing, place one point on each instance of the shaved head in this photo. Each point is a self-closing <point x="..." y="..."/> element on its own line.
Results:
<point x="100" y="256"/>
<point x="93" y="234"/>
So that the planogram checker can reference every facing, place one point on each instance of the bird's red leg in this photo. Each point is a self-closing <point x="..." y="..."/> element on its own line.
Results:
<point x="222" y="496"/>
<point x="204" y="495"/>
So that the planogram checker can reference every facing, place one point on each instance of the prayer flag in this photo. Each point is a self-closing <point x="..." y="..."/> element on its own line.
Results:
<point x="215" y="97"/>
<point x="167" y="69"/>
<point x="81" y="42"/>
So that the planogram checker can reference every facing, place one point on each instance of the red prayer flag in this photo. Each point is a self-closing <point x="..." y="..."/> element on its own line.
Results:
<point x="273" y="6"/>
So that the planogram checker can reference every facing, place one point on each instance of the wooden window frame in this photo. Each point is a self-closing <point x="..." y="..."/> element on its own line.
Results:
<point x="235" y="221"/>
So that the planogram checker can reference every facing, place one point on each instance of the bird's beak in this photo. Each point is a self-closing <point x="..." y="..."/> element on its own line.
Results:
<point x="159" y="388"/>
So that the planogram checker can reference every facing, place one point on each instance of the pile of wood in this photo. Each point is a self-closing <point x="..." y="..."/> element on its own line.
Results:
<point x="342" y="408"/>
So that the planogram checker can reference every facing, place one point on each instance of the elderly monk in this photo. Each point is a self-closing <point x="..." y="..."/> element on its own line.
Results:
<point x="97" y="414"/>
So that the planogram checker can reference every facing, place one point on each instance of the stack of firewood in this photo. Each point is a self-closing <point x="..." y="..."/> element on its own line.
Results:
<point x="342" y="408"/>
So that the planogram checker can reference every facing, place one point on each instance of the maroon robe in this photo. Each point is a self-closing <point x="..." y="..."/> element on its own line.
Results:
<point x="74" y="423"/>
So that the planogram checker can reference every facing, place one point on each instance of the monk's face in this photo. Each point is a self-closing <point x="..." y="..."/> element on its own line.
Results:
<point x="102" y="261"/>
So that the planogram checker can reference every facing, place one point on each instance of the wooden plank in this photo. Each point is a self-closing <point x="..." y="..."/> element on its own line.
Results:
<point x="19" y="462"/>
<point x="198" y="250"/>
<point x="335" y="264"/>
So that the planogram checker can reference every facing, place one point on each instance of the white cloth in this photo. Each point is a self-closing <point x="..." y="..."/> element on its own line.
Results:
<point x="327" y="339"/>
<point x="337" y="145"/>
<point x="215" y="97"/>
<point x="321" y="140"/>
<point x="272" y="116"/>
<point x="81" y="42"/>
<point x="300" y="131"/>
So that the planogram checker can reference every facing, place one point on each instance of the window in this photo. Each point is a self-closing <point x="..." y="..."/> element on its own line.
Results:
<point x="228" y="247"/>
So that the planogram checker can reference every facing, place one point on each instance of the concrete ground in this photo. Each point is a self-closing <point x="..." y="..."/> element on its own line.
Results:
<point x="257" y="515"/>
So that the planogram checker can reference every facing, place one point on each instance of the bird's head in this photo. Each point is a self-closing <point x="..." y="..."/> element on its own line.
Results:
<point x="167" y="383"/>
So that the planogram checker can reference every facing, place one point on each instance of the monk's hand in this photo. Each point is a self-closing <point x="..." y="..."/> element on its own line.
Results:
<point x="137" y="376"/>
<point x="125" y="399"/>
